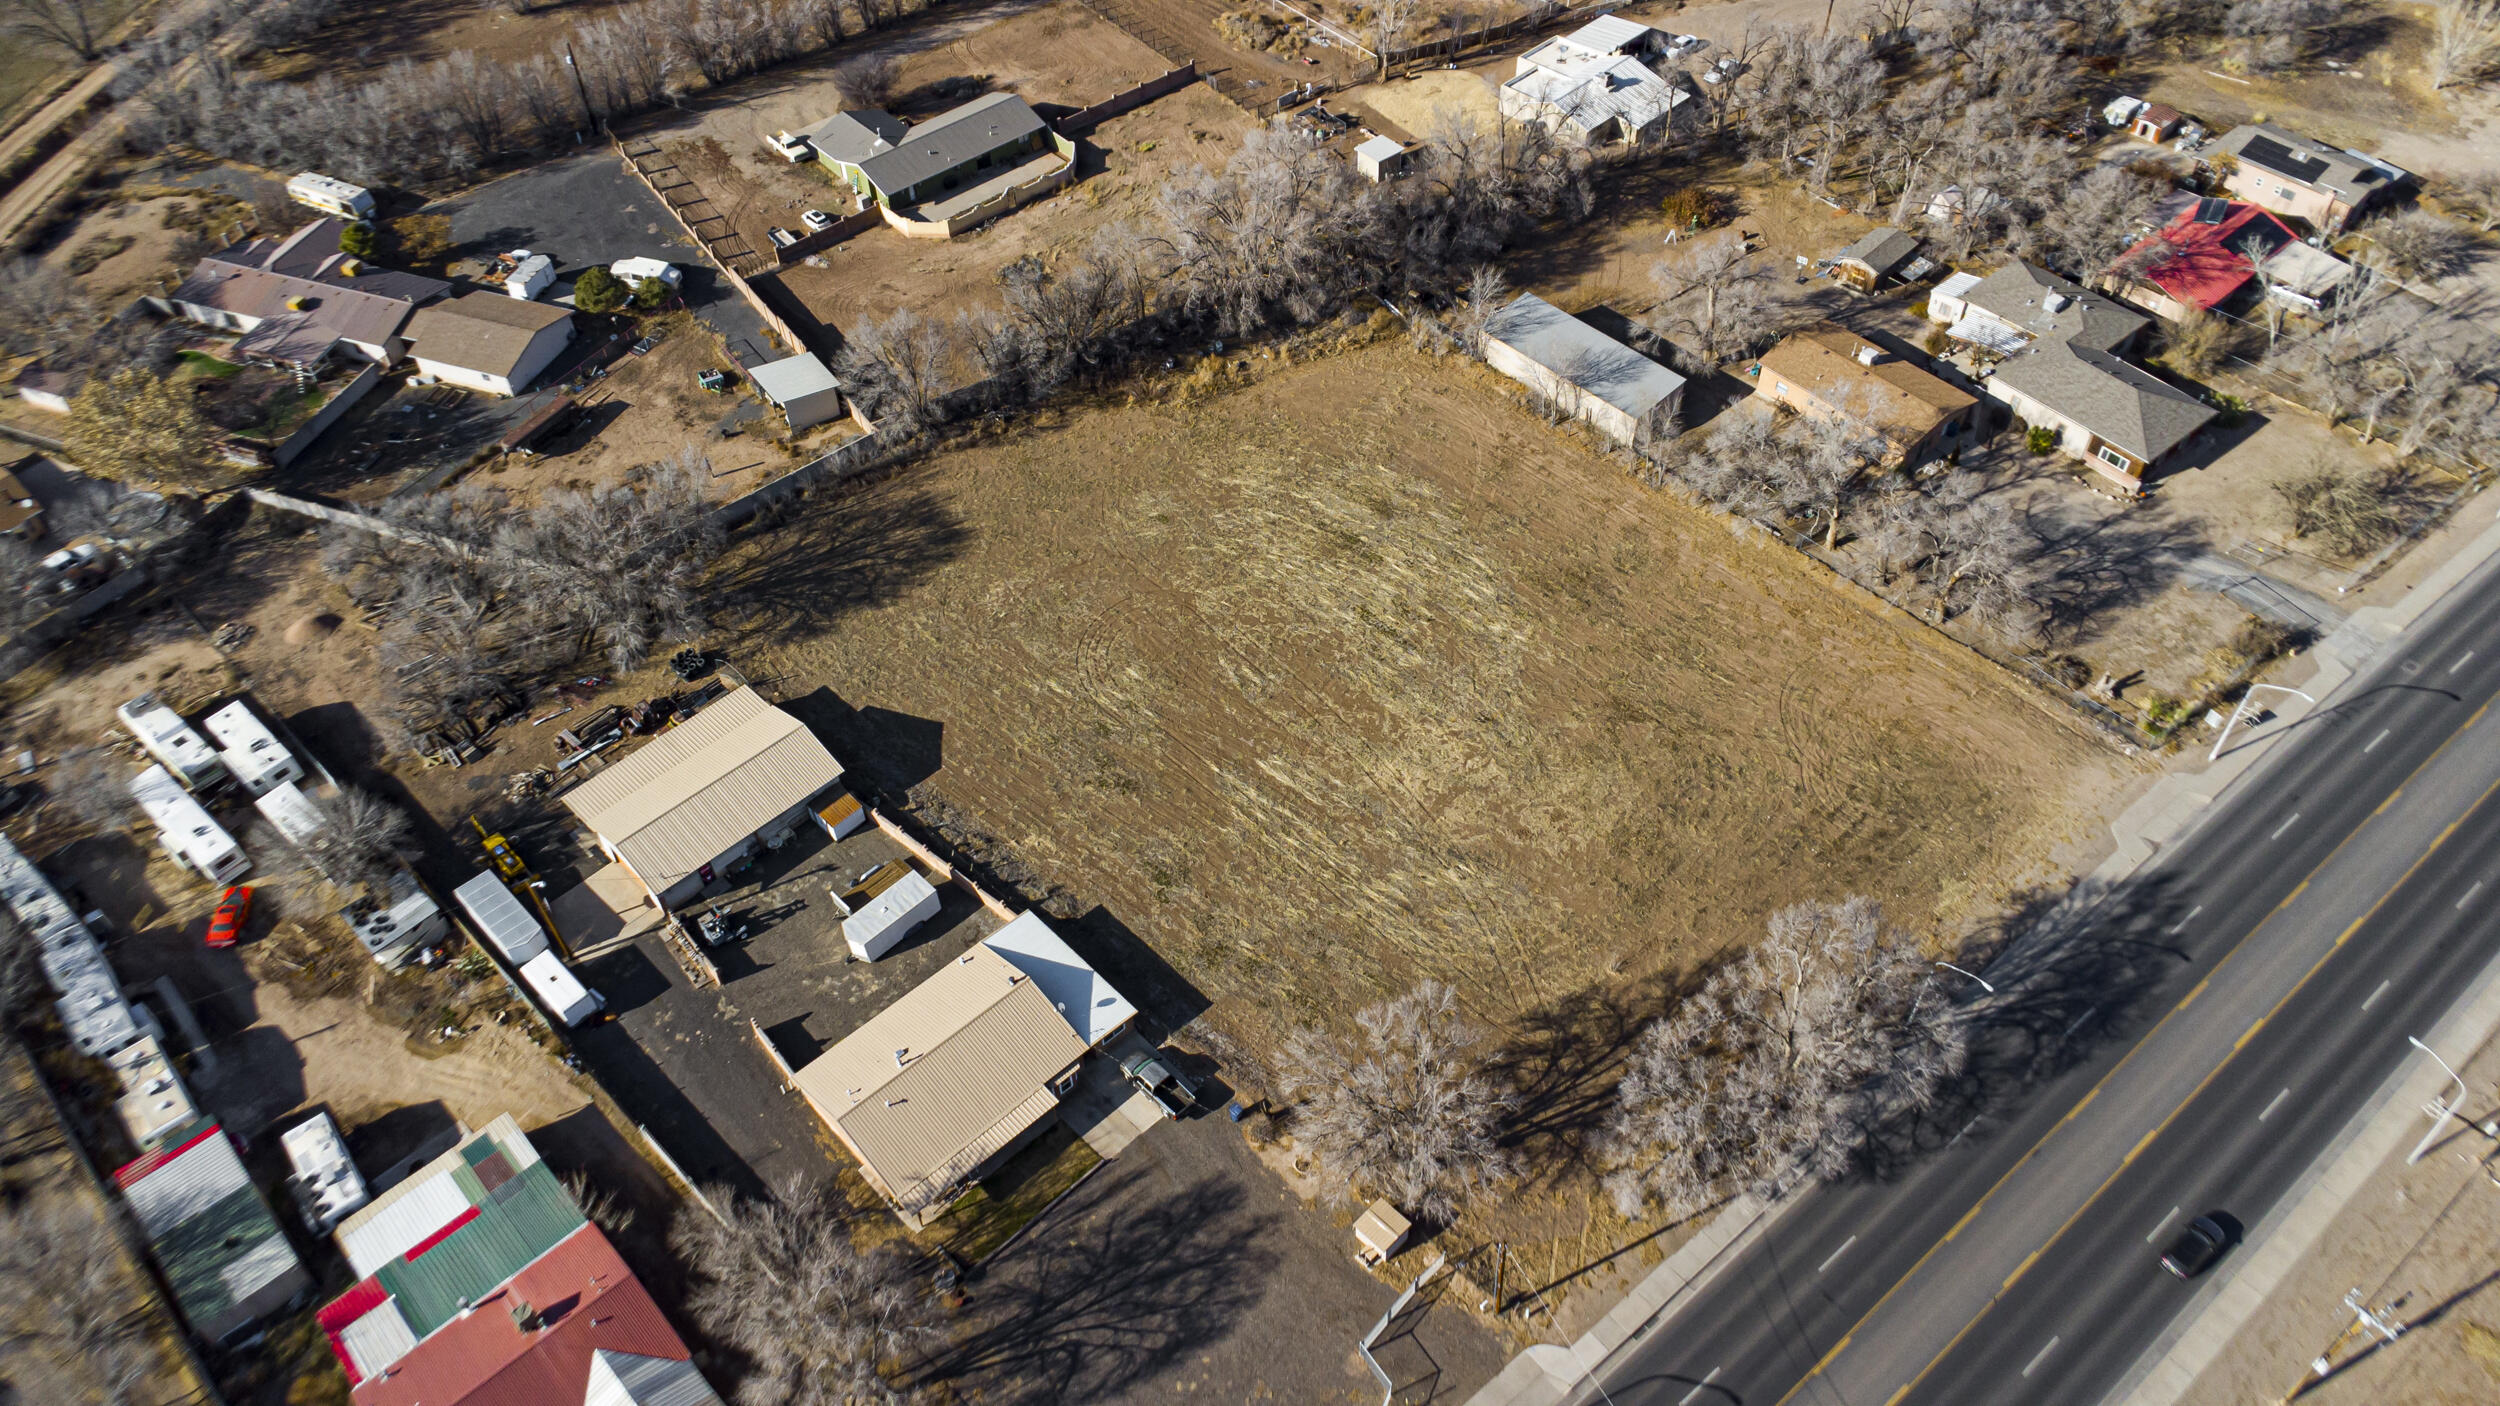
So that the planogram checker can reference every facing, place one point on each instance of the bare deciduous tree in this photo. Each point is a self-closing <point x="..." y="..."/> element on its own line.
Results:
<point x="1402" y="1111"/>
<point x="65" y="1291"/>
<point x="364" y="840"/>
<point x="617" y="565"/>
<point x="2465" y="41"/>
<point x="2350" y="509"/>
<point x="867" y="82"/>
<point x="2199" y="341"/>
<point x="74" y="27"/>
<point x="2415" y="243"/>
<point x="900" y="370"/>
<point x="1785" y="1062"/>
<point x="1714" y="293"/>
<point x="1487" y="293"/>
<point x="785" y="1282"/>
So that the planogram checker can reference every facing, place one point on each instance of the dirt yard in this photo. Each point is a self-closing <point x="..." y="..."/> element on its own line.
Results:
<point x="135" y="233"/>
<point x="1362" y="675"/>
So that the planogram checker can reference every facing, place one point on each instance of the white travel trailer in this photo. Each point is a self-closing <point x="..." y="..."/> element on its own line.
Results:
<point x="328" y="1188"/>
<point x="185" y="828"/>
<point x="565" y="998"/>
<point x="500" y="919"/>
<point x="252" y="753"/>
<point x="293" y="813"/>
<point x="170" y="740"/>
<point x="889" y="917"/>
<point x="331" y="195"/>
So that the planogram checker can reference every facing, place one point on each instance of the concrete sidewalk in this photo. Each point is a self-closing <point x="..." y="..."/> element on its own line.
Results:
<point x="1548" y="1374"/>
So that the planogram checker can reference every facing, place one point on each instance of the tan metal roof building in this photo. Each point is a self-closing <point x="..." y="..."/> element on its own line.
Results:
<point x="703" y="787"/>
<point x="935" y="1085"/>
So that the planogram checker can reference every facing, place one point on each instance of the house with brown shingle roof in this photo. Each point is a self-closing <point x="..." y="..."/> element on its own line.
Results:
<point x="1829" y="370"/>
<point x="297" y="299"/>
<point x="488" y="342"/>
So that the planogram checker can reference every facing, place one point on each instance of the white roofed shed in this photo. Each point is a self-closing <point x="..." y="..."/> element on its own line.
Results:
<point x="500" y="918"/>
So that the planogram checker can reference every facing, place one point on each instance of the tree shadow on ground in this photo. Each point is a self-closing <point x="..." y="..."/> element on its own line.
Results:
<point x="851" y="552"/>
<point x="2089" y="567"/>
<point x="1103" y="1300"/>
<point x="1562" y="1062"/>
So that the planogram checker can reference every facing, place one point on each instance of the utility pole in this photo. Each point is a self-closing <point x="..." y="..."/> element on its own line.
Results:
<point x="2440" y="1109"/>
<point x="581" y="89"/>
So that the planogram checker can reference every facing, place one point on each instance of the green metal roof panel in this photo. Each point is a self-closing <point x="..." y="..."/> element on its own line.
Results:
<point x="521" y="1220"/>
<point x="198" y="1253"/>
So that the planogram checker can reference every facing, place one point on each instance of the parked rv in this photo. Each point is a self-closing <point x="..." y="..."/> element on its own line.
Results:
<point x="559" y="990"/>
<point x="252" y="754"/>
<point x="185" y="828"/>
<point x="166" y="737"/>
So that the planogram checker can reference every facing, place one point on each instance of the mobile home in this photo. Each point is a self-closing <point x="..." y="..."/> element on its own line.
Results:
<point x="252" y="754"/>
<point x="293" y="813"/>
<point x="161" y="730"/>
<point x="500" y="919"/>
<point x="565" y="998"/>
<point x="185" y="828"/>
<point x="331" y="195"/>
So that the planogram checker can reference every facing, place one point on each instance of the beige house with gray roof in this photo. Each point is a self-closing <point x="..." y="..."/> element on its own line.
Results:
<point x="488" y="342"/>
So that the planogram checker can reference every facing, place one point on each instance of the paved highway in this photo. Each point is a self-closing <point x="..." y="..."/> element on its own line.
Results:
<point x="2189" y="1045"/>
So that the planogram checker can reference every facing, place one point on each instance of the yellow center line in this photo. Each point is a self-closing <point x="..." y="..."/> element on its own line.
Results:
<point x="2201" y="1084"/>
<point x="2128" y="1058"/>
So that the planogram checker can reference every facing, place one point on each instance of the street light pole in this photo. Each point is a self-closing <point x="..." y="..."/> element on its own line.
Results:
<point x="2440" y="1110"/>
<point x="2216" y="754"/>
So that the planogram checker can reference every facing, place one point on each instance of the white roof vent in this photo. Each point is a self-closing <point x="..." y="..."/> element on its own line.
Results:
<point x="2059" y="302"/>
<point x="1867" y="354"/>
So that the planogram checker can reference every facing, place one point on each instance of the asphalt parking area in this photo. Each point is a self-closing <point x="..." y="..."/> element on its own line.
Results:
<point x="589" y="210"/>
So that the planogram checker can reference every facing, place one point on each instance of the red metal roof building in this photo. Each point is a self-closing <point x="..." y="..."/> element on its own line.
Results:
<point x="2199" y="260"/>
<point x="575" y="1326"/>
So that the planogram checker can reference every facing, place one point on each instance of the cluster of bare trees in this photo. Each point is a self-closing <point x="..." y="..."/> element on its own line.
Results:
<point x="473" y="596"/>
<point x="1403" y="1110"/>
<point x="418" y="122"/>
<point x="1785" y="1062"/>
<point x="365" y="841"/>
<point x="66" y="1295"/>
<point x="821" y="1321"/>
<point x="2417" y="376"/>
<point x="1283" y="234"/>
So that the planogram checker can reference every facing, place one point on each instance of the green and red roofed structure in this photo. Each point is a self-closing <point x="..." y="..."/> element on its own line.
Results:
<point x="484" y="1285"/>
<point x="228" y="1262"/>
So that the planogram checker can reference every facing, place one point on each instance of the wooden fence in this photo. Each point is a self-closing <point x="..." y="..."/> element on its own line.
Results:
<point x="781" y="327"/>
<point x="1084" y="120"/>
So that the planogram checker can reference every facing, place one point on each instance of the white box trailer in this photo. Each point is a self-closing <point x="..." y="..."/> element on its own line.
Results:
<point x="565" y="997"/>
<point x="297" y="820"/>
<point x="182" y="752"/>
<point x="889" y="917"/>
<point x="635" y="270"/>
<point x="500" y="919"/>
<point x="186" y="829"/>
<point x="330" y="195"/>
<point x="251" y="752"/>
<point x="533" y="275"/>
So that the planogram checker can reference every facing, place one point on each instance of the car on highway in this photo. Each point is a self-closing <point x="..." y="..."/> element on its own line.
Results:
<point x="2196" y="1247"/>
<point x="1149" y="1075"/>
<point x="814" y="220"/>
<point x="234" y="909"/>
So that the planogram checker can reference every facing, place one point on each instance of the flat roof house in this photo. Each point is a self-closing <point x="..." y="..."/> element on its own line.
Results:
<point x="1879" y="254"/>
<point x="1625" y="395"/>
<point x="222" y="1252"/>
<point x="1824" y="371"/>
<point x="937" y="1089"/>
<point x="298" y="299"/>
<point x="961" y="161"/>
<point x="2115" y="416"/>
<point x="2290" y="175"/>
<point x="697" y="795"/>
<point x="489" y="343"/>
<point x="1592" y="84"/>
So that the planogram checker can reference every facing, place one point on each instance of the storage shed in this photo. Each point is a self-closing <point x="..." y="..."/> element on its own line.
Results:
<point x="1381" y="159"/>
<point x="1623" y="394"/>
<point x="801" y="389"/>
<point x="905" y="901"/>
<point x="530" y="277"/>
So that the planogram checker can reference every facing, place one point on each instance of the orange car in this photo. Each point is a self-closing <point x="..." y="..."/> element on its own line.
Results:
<point x="233" y="910"/>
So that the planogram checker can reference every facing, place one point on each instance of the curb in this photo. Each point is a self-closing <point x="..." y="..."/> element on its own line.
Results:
<point x="1547" y="1374"/>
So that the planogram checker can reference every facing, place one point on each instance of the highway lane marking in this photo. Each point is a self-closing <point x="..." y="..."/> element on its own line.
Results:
<point x="2183" y="922"/>
<point x="1836" y="1254"/>
<point x="1698" y="1386"/>
<point x="2382" y="736"/>
<point x="2469" y="895"/>
<point x="2286" y="825"/>
<point x="2162" y="1225"/>
<point x="2460" y="661"/>
<point x="2278" y="1103"/>
<point x="2088" y="1013"/>
<point x="1836" y="1349"/>
<point x="2381" y="991"/>
<point x="1966" y="1127"/>
<point x="2043" y="1357"/>
<point x="2201" y="1085"/>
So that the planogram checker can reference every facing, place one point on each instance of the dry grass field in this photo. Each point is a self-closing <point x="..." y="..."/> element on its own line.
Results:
<point x="1361" y="674"/>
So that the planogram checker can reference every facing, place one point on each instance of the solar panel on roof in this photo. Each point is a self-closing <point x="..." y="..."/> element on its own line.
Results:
<point x="2275" y="156"/>
<point x="2212" y="211"/>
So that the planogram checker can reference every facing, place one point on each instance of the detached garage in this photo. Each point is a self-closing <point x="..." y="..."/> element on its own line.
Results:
<point x="488" y="343"/>
<point x="801" y="388"/>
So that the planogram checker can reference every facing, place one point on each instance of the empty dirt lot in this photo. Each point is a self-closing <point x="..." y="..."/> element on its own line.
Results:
<point x="1362" y="674"/>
